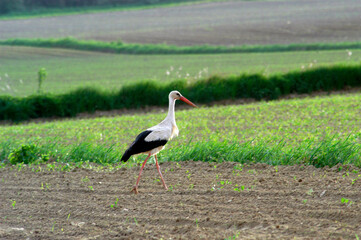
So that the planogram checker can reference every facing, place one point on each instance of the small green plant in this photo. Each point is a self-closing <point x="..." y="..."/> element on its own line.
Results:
<point x="172" y="187"/>
<point x="52" y="228"/>
<point x="115" y="203"/>
<point x="47" y="186"/>
<point x="13" y="203"/>
<point x="346" y="201"/>
<point x="197" y="222"/>
<point x="27" y="154"/>
<point x="357" y="238"/>
<point x="304" y="201"/>
<point x="355" y="179"/>
<point x="191" y="186"/>
<point x="67" y="219"/>
<point x="136" y="222"/>
<point x="91" y="188"/>
<point x="85" y="179"/>
<point x="238" y="167"/>
<point x="189" y="176"/>
<point x="252" y="171"/>
<point x="41" y="78"/>
<point x="310" y="192"/>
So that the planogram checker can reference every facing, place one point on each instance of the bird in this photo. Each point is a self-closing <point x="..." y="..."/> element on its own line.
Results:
<point x="152" y="140"/>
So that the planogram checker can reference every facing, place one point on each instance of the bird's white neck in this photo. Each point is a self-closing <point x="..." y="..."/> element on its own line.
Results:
<point x="171" y="115"/>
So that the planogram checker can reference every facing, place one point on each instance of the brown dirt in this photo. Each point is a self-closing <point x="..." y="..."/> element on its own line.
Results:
<point x="285" y="203"/>
<point x="220" y="23"/>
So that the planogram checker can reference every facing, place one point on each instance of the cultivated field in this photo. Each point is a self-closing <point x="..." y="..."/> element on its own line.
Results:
<point x="242" y="171"/>
<point x="70" y="69"/>
<point x="220" y="23"/>
<point x="204" y="201"/>
<point x="278" y="132"/>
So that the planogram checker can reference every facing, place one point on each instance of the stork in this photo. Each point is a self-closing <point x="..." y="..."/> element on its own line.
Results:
<point x="152" y="140"/>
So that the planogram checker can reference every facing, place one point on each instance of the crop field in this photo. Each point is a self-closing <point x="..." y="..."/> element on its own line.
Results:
<point x="217" y="23"/>
<point x="209" y="200"/>
<point x="239" y="169"/>
<point x="299" y="123"/>
<point x="69" y="69"/>
<point x="205" y="200"/>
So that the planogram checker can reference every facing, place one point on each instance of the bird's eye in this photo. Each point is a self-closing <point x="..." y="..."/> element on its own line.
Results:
<point x="178" y="94"/>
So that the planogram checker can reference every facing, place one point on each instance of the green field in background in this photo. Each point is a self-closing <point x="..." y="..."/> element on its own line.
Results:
<point x="70" y="69"/>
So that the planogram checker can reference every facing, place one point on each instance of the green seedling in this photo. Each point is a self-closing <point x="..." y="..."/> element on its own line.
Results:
<point x="115" y="203"/>
<point x="136" y="222"/>
<point x="304" y="201"/>
<point x="197" y="222"/>
<point x="47" y="186"/>
<point x="67" y="219"/>
<point x="310" y="192"/>
<point x="238" y="167"/>
<point x="346" y="201"/>
<point x="276" y="169"/>
<point x="85" y="179"/>
<point x="355" y="179"/>
<point x="191" y="186"/>
<point x="52" y="228"/>
<point x="172" y="187"/>
<point x="91" y="188"/>
<point x="13" y="203"/>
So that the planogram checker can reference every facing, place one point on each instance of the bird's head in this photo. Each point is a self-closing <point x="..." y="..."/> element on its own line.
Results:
<point x="178" y="96"/>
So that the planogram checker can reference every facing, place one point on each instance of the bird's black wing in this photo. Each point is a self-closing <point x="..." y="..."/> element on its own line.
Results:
<point x="140" y="145"/>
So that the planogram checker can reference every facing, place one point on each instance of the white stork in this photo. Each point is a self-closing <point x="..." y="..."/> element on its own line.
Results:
<point x="152" y="140"/>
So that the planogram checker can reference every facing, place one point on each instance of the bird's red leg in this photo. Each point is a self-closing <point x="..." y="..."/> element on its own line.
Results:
<point x="135" y="189"/>
<point x="158" y="168"/>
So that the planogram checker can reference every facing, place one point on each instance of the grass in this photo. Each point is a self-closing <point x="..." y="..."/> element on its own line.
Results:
<point x="317" y="131"/>
<point x="70" y="69"/>
<point x="134" y="48"/>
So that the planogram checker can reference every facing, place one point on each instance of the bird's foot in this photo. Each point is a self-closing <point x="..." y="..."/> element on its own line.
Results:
<point x="165" y="187"/>
<point x="135" y="190"/>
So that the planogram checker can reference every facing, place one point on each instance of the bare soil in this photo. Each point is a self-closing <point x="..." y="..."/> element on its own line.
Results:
<point x="204" y="201"/>
<point x="220" y="23"/>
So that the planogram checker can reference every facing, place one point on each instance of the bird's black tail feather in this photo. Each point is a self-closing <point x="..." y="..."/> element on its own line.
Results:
<point x="126" y="156"/>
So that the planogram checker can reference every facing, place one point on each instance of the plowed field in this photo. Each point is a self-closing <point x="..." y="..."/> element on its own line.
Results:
<point x="204" y="201"/>
<point x="220" y="23"/>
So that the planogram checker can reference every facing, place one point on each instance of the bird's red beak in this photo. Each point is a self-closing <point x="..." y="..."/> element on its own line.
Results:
<point x="187" y="101"/>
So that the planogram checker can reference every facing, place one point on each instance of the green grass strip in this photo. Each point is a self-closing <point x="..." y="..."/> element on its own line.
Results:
<point x="133" y="48"/>
<point x="328" y="152"/>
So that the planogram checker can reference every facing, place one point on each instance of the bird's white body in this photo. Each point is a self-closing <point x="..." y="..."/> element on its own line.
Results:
<point x="152" y="140"/>
<point x="165" y="130"/>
